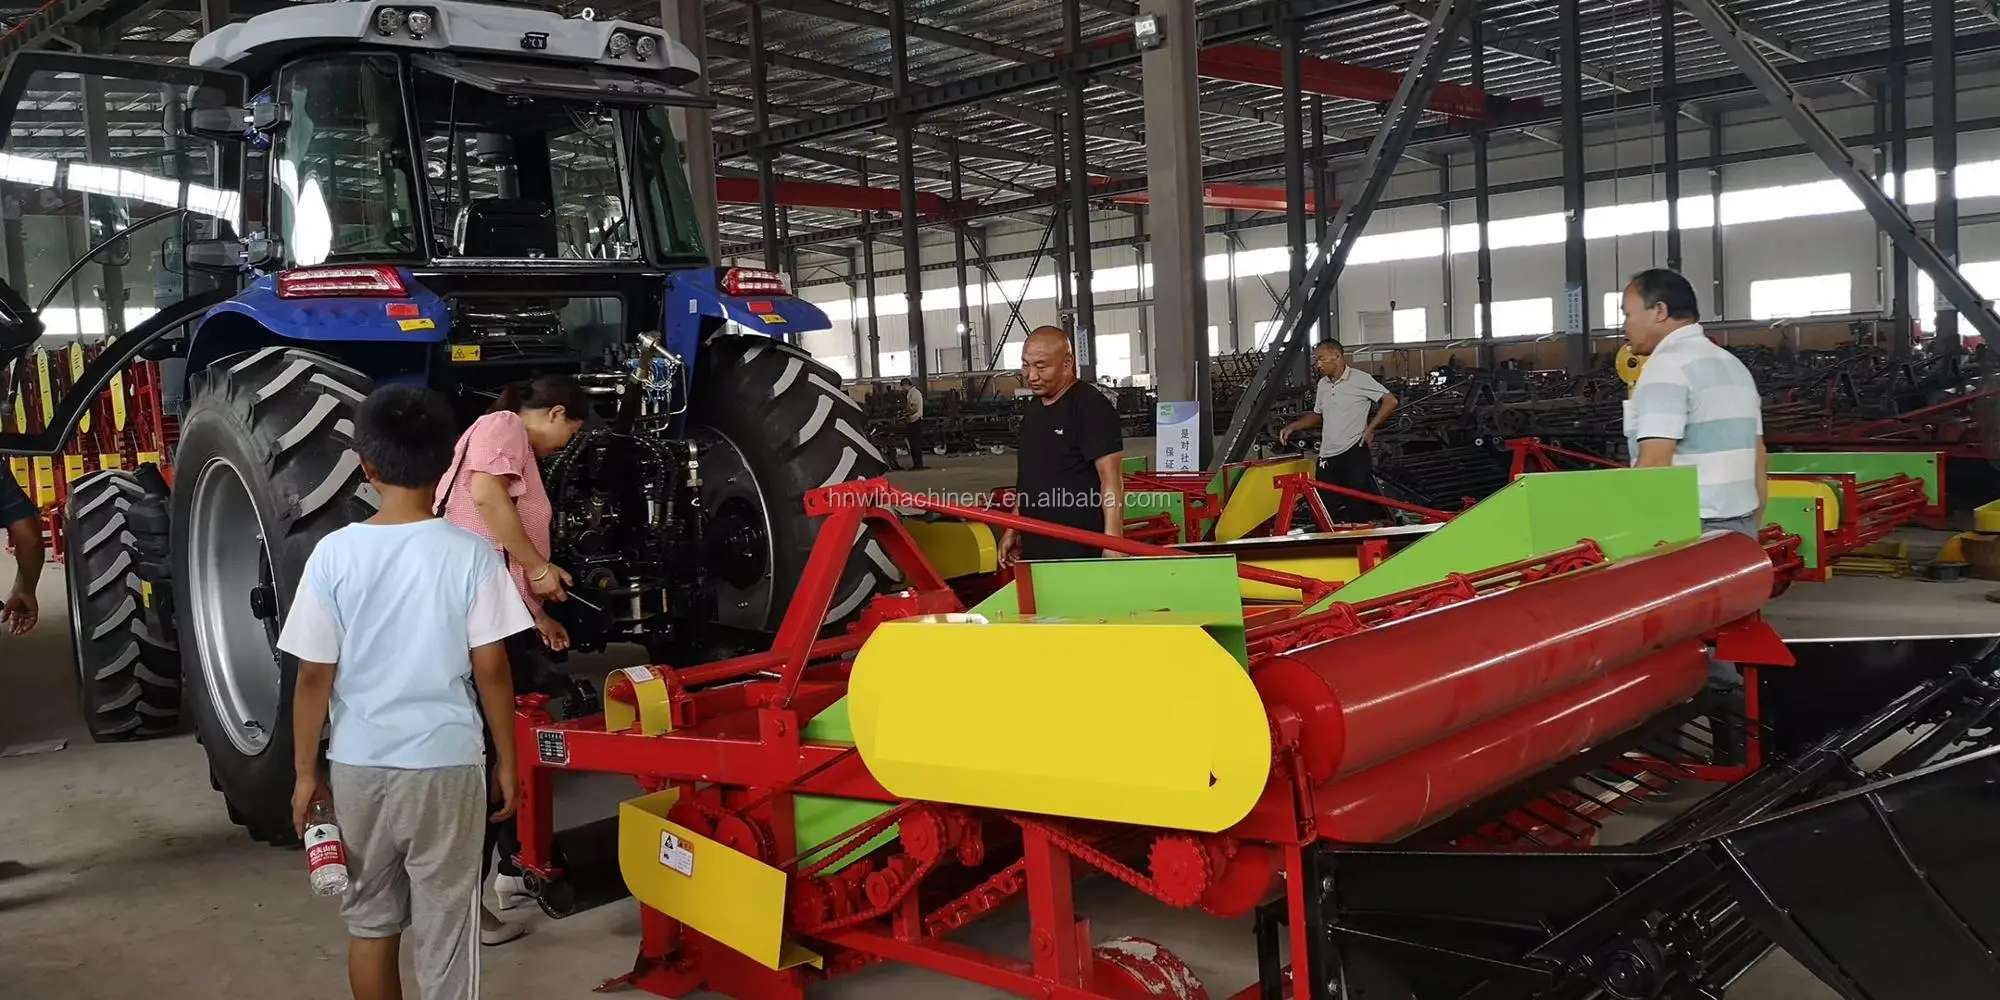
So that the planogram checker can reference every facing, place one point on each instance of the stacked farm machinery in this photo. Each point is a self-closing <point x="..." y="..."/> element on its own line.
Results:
<point x="1409" y="754"/>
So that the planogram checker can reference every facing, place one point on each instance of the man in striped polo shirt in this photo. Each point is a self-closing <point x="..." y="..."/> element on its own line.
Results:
<point x="1694" y="404"/>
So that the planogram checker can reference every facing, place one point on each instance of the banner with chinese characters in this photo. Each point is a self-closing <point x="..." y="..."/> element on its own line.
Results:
<point x="1178" y="445"/>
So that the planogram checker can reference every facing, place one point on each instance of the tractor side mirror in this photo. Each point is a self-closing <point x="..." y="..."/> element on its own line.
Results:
<point x="235" y="124"/>
<point x="230" y="256"/>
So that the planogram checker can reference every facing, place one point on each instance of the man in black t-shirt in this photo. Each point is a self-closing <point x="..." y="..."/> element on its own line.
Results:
<point x="1068" y="462"/>
<point x="23" y="525"/>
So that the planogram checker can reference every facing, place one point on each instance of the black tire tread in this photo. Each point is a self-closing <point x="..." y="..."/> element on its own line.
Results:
<point x="291" y="410"/>
<point x="128" y="672"/>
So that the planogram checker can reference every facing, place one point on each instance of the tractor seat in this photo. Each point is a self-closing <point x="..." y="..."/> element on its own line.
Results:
<point x="505" y="227"/>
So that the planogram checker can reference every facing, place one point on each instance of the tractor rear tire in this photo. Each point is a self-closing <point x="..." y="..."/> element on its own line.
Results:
<point x="778" y="425"/>
<point x="128" y="672"/>
<point x="265" y="469"/>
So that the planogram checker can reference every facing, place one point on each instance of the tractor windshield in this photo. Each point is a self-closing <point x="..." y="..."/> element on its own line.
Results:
<point x="529" y="171"/>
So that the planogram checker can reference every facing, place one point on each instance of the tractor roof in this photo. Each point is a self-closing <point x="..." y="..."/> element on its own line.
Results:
<point x="521" y="33"/>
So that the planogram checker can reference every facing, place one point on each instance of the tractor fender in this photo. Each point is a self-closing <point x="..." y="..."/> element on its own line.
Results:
<point x="695" y="306"/>
<point x="257" y="317"/>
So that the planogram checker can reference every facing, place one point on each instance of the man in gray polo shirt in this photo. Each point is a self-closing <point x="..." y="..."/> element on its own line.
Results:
<point x="1340" y="410"/>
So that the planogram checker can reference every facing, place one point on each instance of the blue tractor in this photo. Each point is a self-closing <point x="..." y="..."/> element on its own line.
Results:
<point x="334" y="196"/>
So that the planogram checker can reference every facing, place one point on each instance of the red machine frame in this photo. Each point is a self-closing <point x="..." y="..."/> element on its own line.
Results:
<point x="738" y="753"/>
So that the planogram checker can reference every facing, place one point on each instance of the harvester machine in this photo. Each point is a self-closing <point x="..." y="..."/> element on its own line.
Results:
<point x="1464" y="772"/>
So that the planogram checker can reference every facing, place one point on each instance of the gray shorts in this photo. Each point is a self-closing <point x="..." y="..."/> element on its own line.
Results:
<point x="414" y="838"/>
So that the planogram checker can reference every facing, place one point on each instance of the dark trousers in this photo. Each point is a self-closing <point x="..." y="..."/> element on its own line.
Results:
<point x="533" y="673"/>
<point x="1352" y="469"/>
<point x="913" y="434"/>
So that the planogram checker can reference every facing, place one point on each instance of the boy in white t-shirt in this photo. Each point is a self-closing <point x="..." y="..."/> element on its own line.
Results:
<point x="397" y="620"/>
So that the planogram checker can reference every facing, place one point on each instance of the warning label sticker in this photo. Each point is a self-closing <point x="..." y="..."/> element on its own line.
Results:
<point x="675" y="854"/>
<point x="552" y="747"/>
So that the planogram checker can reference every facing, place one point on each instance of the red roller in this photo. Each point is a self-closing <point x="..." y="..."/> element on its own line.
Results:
<point x="1396" y="799"/>
<point x="1371" y="696"/>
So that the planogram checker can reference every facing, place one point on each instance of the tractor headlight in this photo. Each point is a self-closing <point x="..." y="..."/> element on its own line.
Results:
<point x="621" y="43"/>
<point x="648" y="46"/>
<point x="419" y="23"/>
<point x="389" y="20"/>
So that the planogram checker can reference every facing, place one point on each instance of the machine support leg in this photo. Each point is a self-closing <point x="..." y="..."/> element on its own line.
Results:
<point x="1728" y="35"/>
<point x="1059" y="953"/>
<point x="1418" y="82"/>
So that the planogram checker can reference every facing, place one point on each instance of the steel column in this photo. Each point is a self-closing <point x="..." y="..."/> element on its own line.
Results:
<point x="1444" y="259"/>
<point x="1075" y="82"/>
<point x="760" y="116"/>
<point x="1576" y="256"/>
<point x="1427" y="63"/>
<point x="1944" y="156"/>
<point x="1828" y="147"/>
<point x="1233" y="341"/>
<point x="853" y="318"/>
<point x="1670" y="124"/>
<point x="958" y="265"/>
<point x="1323" y="176"/>
<point x="1059" y="222"/>
<point x="1293" y="104"/>
<point x="1897" y="82"/>
<point x="1482" y="201"/>
<point x="906" y="183"/>
<point x="874" y="366"/>
<point x="1718" y="286"/>
<point x="215" y="14"/>
<point x="1173" y="166"/>
<point x="695" y="125"/>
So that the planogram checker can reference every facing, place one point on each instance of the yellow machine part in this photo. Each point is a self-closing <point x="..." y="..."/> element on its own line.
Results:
<point x="1331" y="566"/>
<point x="1829" y="499"/>
<point x="956" y="548"/>
<point x="721" y="892"/>
<point x="1986" y="518"/>
<point x="650" y="708"/>
<point x="1629" y="365"/>
<point x="1255" y="498"/>
<point x="1143" y="720"/>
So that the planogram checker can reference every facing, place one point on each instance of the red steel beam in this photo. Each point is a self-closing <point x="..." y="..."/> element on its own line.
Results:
<point x="1264" y="67"/>
<point x="818" y="194"/>
<point x="1239" y="197"/>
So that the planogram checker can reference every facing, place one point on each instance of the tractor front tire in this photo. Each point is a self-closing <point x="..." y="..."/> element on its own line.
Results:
<point x="777" y="425"/>
<point x="128" y="673"/>
<point x="265" y="469"/>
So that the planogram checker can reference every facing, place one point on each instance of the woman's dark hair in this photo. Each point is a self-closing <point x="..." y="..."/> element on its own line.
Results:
<point x="544" y="392"/>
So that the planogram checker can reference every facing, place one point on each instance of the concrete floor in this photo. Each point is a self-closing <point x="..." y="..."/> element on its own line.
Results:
<point x="119" y="870"/>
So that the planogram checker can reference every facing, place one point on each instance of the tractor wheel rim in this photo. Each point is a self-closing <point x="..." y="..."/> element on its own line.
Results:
<point x="227" y="560"/>
<point x="726" y="476"/>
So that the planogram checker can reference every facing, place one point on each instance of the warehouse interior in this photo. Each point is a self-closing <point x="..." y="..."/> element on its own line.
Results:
<point x="862" y="201"/>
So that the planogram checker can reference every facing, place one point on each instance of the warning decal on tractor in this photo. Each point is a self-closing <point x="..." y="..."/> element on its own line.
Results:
<point x="465" y="352"/>
<point x="675" y="854"/>
<point x="409" y="325"/>
<point x="552" y="747"/>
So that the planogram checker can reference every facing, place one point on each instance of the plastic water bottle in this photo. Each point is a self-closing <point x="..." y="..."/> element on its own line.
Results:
<point x="326" y="856"/>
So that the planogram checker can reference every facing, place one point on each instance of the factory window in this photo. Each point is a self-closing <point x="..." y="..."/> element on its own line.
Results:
<point x="1813" y="295"/>
<point x="895" y="364"/>
<point x="1010" y="356"/>
<point x="1214" y="341"/>
<point x="1518" y="318"/>
<point x="842" y="363"/>
<point x="1114" y="355"/>
<point x="1984" y="276"/>
<point x="1614" y="310"/>
<point x="1410" y="326"/>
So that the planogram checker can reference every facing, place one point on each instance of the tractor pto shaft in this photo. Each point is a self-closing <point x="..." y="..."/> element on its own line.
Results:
<point x="1365" y="698"/>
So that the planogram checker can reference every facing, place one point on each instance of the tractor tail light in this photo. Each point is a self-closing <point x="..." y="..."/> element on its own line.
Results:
<point x="373" y="281"/>
<point x="751" y="281"/>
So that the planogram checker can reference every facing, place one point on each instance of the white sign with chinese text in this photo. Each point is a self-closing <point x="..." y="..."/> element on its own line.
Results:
<point x="1178" y="446"/>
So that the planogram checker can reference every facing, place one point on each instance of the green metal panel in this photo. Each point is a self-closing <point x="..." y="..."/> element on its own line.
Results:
<point x="1193" y="589"/>
<point x="1799" y="516"/>
<point x="817" y="819"/>
<point x="1625" y="511"/>
<point x="1132" y="463"/>
<point x="1865" y="465"/>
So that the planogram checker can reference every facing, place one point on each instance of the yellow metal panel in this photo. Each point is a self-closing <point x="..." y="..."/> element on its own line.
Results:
<point x="650" y="709"/>
<point x="1151" y="724"/>
<point x="109" y="460"/>
<point x="19" y="469"/>
<point x="44" y="486"/>
<point x="725" y="894"/>
<point x="1317" y="565"/>
<point x="1986" y="517"/>
<point x="118" y="402"/>
<point x="1829" y="506"/>
<point x="76" y="375"/>
<point x="1255" y="498"/>
<point x="48" y="391"/>
<point x="956" y="548"/>
<point x="149" y="458"/>
<point x="73" y="468"/>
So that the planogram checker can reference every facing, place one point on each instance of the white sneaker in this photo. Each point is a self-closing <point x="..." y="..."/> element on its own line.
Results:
<point x="494" y="931"/>
<point x="510" y="891"/>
